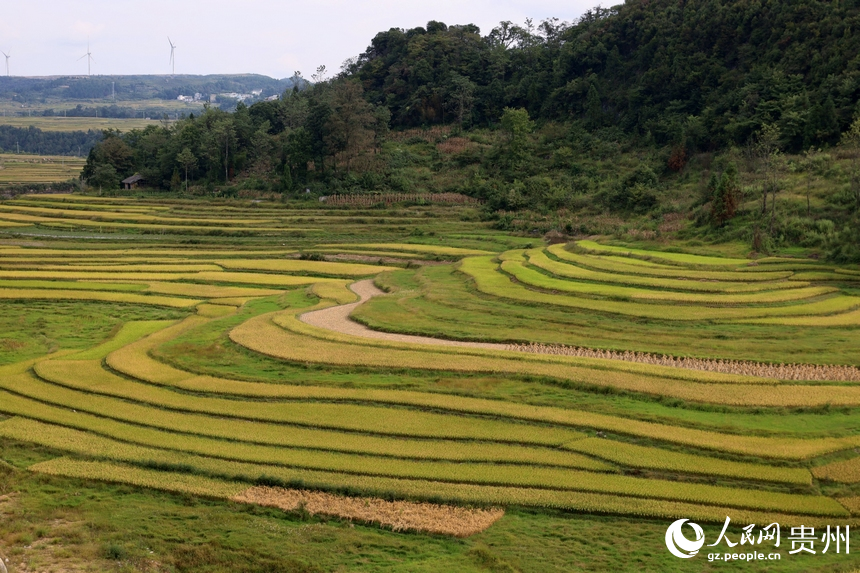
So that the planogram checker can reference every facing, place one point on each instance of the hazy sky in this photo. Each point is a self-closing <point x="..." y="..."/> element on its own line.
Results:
<point x="268" y="37"/>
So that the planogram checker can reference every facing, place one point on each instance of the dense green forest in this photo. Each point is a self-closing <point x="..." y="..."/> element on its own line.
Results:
<point x="708" y="120"/>
<point x="34" y="140"/>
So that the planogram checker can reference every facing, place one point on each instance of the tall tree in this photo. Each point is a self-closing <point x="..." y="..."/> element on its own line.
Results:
<point x="350" y="126"/>
<point x="186" y="159"/>
<point x="517" y="126"/>
<point x="461" y="94"/>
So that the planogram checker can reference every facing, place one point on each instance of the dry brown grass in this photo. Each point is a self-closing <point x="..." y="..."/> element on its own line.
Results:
<point x="744" y="368"/>
<point x="430" y="135"/>
<point x="454" y="145"/>
<point x="398" y="515"/>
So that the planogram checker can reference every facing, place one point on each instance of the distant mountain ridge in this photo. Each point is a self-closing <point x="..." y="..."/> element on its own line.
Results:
<point x="137" y="87"/>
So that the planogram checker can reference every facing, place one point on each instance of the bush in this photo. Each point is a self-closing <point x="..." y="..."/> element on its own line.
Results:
<point x="633" y="193"/>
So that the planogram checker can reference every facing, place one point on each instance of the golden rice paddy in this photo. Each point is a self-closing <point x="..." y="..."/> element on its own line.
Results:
<point x="343" y="419"/>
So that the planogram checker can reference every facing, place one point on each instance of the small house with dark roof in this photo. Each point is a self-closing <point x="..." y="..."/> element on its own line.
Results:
<point x="133" y="182"/>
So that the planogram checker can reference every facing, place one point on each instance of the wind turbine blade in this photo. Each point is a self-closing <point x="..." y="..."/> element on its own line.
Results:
<point x="82" y="57"/>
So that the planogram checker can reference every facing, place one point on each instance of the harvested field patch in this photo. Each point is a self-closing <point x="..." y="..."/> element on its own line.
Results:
<point x="757" y="369"/>
<point x="398" y="515"/>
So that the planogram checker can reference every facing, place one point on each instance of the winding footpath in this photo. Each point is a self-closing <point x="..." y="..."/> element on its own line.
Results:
<point x="336" y="318"/>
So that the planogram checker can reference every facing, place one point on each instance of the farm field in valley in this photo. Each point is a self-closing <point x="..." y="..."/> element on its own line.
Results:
<point x="158" y="360"/>
<point x="17" y="169"/>
<point x="49" y="123"/>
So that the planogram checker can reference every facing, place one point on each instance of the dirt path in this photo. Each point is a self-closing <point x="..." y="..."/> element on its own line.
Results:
<point x="336" y="318"/>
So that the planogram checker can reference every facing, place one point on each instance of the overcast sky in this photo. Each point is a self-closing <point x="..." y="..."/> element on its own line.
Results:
<point x="268" y="37"/>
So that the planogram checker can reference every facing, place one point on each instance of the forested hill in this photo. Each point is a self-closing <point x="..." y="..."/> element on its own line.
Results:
<point x="699" y="73"/>
<point x="716" y="119"/>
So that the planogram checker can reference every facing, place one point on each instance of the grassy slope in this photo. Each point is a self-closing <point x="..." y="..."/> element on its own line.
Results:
<point x="33" y="328"/>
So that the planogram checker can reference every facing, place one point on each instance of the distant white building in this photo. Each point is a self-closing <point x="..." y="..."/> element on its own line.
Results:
<point x="239" y="97"/>
<point x="275" y="97"/>
<point x="256" y="93"/>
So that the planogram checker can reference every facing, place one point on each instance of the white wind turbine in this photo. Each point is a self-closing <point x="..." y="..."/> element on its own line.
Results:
<point x="172" y="61"/>
<point x="89" y="57"/>
<point x="9" y="55"/>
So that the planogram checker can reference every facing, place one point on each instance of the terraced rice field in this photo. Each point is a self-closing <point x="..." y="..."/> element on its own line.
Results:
<point x="626" y="382"/>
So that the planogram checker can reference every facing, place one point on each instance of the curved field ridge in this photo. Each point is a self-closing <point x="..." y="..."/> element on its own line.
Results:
<point x="634" y="267"/>
<point x="336" y="319"/>
<point x="532" y="278"/>
<point x="101" y="384"/>
<point x="490" y="281"/>
<point x="681" y="258"/>
<point x="648" y="490"/>
<point x="135" y="363"/>
<point x="716" y="283"/>
<point x="457" y="493"/>
<point x="298" y="342"/>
